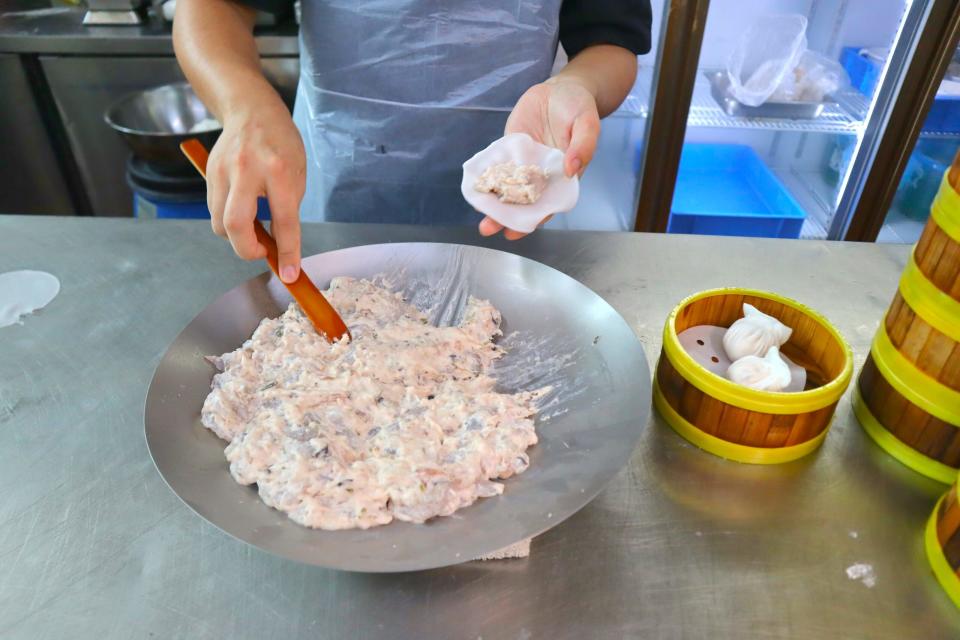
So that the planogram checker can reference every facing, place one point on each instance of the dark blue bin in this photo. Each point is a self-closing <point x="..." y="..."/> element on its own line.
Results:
<point x="726" y="190"/>
<point x="149" y="204"/>
<point x="944" y="115"/>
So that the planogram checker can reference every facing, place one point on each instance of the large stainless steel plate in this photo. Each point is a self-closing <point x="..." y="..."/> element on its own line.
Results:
<point x="720" y="89"/>
<point x="586" y="438"/>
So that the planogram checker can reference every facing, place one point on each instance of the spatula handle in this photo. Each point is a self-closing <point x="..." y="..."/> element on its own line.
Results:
<point x="316" y="307"/>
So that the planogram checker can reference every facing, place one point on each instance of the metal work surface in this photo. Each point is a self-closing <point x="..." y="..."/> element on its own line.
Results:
<point x="32" y="28"/>
<point x="564" y="336"/>
<point x="679" y="545"/>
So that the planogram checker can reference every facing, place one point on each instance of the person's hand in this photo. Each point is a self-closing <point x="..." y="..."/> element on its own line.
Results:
<point x="560" y="113"/>
<point x="260" y="152"/>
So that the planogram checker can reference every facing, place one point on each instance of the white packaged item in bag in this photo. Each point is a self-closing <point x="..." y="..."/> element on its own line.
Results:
<point x="814" y="78"/>
<point x="768" y="51"/>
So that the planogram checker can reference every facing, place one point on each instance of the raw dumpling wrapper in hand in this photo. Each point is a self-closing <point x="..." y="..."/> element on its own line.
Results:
<point x="754" y="334"/>
<point x="559" y="196"/>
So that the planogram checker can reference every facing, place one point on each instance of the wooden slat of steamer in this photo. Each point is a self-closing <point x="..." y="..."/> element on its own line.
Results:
<point x="756" y="429"/>
<point x="938" y="257"/>
<point x="915" y="338"/>
<point x="934" y="438"/>
<point x="885" y="404"/>
<point x="731" y="309"/>
<point x="948" y="517"/>
<point x="898" y="319"/>
<point x="690" y="403"/>
<point x="945" y="275"/>
<point x="809" y="425"/>
<point x="876" y="392"/>
<point x="740" y="426"/>
<point x="951" y="455"/>
<point x="910" y="424"/>
<point x="687" y="399"/>
<point x="780" y="428"/>
<point x="948" y="536"/>
<point x="930" y="246"/>
<point x="708" y="415"/>
<point x="928" y="349"/>
<point x="670" y="382"/>
<point x="935" y="359"/>
<point x="733" y="422"/>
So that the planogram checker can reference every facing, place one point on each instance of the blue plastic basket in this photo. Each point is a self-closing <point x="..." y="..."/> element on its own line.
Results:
<point x="863" y="71"/>
<point x="726" y="190"/>
<point x="944" y="115"/>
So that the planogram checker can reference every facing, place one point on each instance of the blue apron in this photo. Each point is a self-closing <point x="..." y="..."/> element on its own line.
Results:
<point x="395" y="95"/>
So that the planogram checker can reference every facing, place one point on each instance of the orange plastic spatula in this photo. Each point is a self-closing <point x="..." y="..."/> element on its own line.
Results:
<point x="323" y="316"/>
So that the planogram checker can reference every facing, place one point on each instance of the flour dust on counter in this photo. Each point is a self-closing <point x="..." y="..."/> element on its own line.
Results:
<point x="403" y="422"/>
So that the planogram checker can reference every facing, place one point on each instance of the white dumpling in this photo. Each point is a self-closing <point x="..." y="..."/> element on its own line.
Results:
<point x="769" y="373"/>
<point x="754" y="334"/>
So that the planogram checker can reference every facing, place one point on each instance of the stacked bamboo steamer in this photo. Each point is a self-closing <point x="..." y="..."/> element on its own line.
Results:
<point x="942" y="543"/>
<point x="908" y="394"/>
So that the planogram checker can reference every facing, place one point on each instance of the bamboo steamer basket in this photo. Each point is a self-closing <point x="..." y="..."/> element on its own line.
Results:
<point x="742" y="424"/>
<point x="942" y="543"/>
<point x="908" y="393"/>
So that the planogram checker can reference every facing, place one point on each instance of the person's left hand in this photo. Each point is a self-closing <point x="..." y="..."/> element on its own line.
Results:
<point x="560" y="113"/>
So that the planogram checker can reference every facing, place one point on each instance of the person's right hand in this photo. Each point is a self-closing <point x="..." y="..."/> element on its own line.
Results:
<point x="260" y="152"/>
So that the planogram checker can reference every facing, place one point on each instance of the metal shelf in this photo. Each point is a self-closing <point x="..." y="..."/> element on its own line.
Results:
<point x="941" y="135"/>
<point x="845" y="117"/>
<point x="836" y="118"/>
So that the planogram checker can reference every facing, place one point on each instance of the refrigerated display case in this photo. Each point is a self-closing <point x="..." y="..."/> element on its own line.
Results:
<point x="938" y="143"/>
<point x="821" y="157"/>
<point x="811" y="158"/>
<point x="610" y="187"/>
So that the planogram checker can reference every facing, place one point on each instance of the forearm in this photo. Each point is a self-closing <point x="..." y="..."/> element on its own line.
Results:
<point x="214" y="44"/>
<point x="606" y="71"/>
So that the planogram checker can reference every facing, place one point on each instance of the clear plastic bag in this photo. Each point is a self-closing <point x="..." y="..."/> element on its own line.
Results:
<point x="768" y="52"/>
<point x="814" y="78"/>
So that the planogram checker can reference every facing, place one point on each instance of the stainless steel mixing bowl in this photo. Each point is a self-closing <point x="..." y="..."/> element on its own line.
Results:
<point x="565" y="336"/>
<point x="154" y="122"/>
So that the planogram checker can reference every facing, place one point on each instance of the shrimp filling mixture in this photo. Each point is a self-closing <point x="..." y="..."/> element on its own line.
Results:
<point x="512" y="183"/>
<point x="401" y="422"/>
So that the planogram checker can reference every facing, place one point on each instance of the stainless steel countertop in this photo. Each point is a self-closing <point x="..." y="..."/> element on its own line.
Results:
<point x="680" y="545"/>
<point x="60" y="31"/>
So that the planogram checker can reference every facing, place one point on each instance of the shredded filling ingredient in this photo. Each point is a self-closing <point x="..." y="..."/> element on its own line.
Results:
<point x="512" y="183"/>
<point x="401" y="422"/>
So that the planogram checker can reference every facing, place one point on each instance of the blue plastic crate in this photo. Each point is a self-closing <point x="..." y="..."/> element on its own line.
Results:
<point x="944" y="115"/>
<point x="863" y="71"/>
<point x="726" y="190"/>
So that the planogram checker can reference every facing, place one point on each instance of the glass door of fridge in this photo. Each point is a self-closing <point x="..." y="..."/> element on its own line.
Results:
<point x="780" y="167"/>
<point x="936" y="147"/>
<point x="609" y="187"/>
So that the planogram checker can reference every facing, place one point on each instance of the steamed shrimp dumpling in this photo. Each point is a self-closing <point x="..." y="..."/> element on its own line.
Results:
<point x="754" y="334"/>
<point x="769" y="373"/>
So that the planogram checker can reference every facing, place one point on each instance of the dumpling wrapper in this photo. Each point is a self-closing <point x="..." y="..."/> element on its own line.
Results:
<point x="712" y="356"/>
<point x="559" y="196"/>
